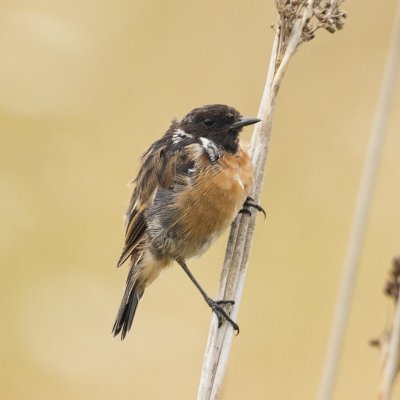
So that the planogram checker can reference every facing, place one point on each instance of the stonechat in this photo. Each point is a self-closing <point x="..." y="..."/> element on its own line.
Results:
<point x="190" y="186"/>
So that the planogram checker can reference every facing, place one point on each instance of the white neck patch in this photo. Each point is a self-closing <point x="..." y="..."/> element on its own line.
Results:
<point x="210" y="148"/>
<point x="179" y="135"/>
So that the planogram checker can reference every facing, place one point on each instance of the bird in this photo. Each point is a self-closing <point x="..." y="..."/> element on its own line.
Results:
<point x="190" y="186"/>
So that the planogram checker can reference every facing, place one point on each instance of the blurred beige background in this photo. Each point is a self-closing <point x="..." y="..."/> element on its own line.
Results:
<point x="85" y="87"/>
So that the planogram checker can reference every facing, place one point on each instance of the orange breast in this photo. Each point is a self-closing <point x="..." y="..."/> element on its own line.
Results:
<point x="219" y="194"/>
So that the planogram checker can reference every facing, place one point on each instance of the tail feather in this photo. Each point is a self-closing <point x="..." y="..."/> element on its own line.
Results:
<point x="142" y="273"/>
<point x="127" y="309"/>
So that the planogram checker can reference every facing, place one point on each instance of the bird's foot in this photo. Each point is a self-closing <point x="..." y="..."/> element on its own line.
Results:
<point x="217" y="307"/>
<point x="250" y="203"/>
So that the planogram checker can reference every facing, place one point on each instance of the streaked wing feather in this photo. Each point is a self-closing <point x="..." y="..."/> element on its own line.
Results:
<point x="164" y="165"/>
<point x="135" y="231"/>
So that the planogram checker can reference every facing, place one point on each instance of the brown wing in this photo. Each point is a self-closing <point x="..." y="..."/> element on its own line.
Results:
<point x="164" y="165"/>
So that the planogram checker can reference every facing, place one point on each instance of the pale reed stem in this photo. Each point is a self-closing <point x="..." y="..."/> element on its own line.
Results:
<point x="360" y="217"/>
<point x="238" y="249"/>
<point x="392" y="361"/>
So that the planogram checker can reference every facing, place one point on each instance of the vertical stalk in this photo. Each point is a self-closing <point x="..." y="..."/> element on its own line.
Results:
<point x="360" y="217"/>
<point x="239" y="244"/>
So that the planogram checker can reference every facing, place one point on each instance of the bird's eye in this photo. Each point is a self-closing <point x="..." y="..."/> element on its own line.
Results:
<point x="230" y="119"/>
<point x="208" y="122"/>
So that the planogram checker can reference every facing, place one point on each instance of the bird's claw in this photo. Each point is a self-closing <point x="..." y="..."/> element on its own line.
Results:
<point x="217" y="307"/>
<point x="245" y="211"/>
<point x="250" y="203"/>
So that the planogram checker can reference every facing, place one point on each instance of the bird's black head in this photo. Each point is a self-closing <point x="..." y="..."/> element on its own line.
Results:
<point x="217" y="122"/>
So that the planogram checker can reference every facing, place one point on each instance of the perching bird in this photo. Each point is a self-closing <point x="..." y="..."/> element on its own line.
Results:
<point x="190" y="186"/>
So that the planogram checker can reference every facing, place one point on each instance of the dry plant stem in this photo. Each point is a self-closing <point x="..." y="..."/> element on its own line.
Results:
<point x="361" y="213"/>
<point x="238" y="250"/>
<point x="392" y="362"/>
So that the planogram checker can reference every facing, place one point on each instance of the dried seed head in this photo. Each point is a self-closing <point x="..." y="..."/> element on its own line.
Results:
<point x="392" y="287"/>
<point x="308" y="32"/>
<point x="328" y="14"/>
<point x="320" y="14"/>
<point x="396" y="267"/>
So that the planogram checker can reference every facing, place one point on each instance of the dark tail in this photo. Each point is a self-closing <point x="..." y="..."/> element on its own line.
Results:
<point x="127" y="309"/>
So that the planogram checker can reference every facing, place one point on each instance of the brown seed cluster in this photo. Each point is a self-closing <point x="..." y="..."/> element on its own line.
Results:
<point x="392" y="289"/>
<point x="328" y="15"/>
<point x="392" y="286"/>
<point x="325" y="14"/>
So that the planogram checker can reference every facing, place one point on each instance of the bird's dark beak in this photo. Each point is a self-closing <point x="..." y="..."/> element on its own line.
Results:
<point x="244" y="121"/>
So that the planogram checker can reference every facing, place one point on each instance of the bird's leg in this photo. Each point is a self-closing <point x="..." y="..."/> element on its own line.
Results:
<point x="215" y="305"/>
<point x="249" y="202"/>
